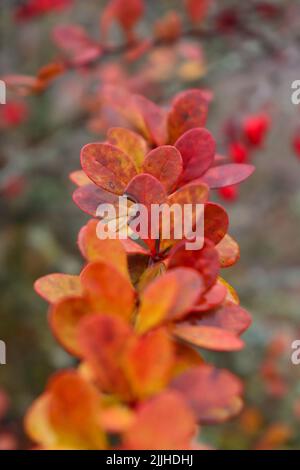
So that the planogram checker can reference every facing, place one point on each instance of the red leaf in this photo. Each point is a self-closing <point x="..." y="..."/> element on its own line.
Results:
<point x="226" y="175"/>
<point x="213" y="394"/>
<point x="125" y="12"/>
<point x="146" y="190"/>
<point x="107" y="166"/>
<point x="211" y="299"/>
<point x="165" y="163"/>
<point x="154" y="119"/>
<point x="216" y="222"/>
<point x="189" y="109"/>
<point x="74" y="41"/>
<point x="205" y="261"/>
<point x="197" y="148"/>
<point x="88" y="198"/>
<point x="230" y="317"/>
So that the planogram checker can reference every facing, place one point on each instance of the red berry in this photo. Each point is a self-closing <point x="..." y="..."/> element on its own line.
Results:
<point x="255" y="128"/>
<point x="13" y="114"/>
<point x="230" y="193"/>
<point x="296" y="144"/>
<point x="238" y="152"/>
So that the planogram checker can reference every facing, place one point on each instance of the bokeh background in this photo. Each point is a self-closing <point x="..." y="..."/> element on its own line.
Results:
<point x="249" y="69"/>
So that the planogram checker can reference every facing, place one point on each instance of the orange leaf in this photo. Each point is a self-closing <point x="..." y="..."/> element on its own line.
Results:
<point x="55" y="287"/>
<point x="79" y="178"/>
<point x="116" y="419"/>
<point x="64" y="319"/>
<point x="147" y="363"/>
<point x="94" y="249"/>
<point x="108" y="290"/>
<point x="208" y="337"/>
<point x="231" y="295"/>
<point x="192" y="193"/>
<point x="51" y="71"/>
<point x="66" y="416"/>
<point x="107" y="166"/>
<point x="164" y="423"/>
<point x="186" y="357"/>
<point x="151" y="273"/>
<point x="130" y="142"/>
<point x="169" y="297"/>
<point x="103" y="339"/>
<point x="228" y="250"/>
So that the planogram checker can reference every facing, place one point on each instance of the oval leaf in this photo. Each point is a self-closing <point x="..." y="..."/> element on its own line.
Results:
<point x="228" y="251"/>
<point x="55" y="287"/>
<point x="181" y="288"/>
<point x="89" y="197"/>
<point x="208" y="337"/>
<point x="93" y="249"/>
<point x="165" y="163"/>
<point x="216" y="222"/>
<point x="197" y="148"/>
<point x="130" y="142"/>
<point x="205" y="261"/>
<point x="227" y="175"/>
<point x="115" y="298"/>
<point x="213" y="394"/>
<point x="230" y="317"/>
<point x="189" y="109"/>
<point x="107" y="166"/>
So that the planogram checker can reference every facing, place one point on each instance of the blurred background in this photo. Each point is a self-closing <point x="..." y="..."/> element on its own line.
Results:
<point x="249" y="64"/>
